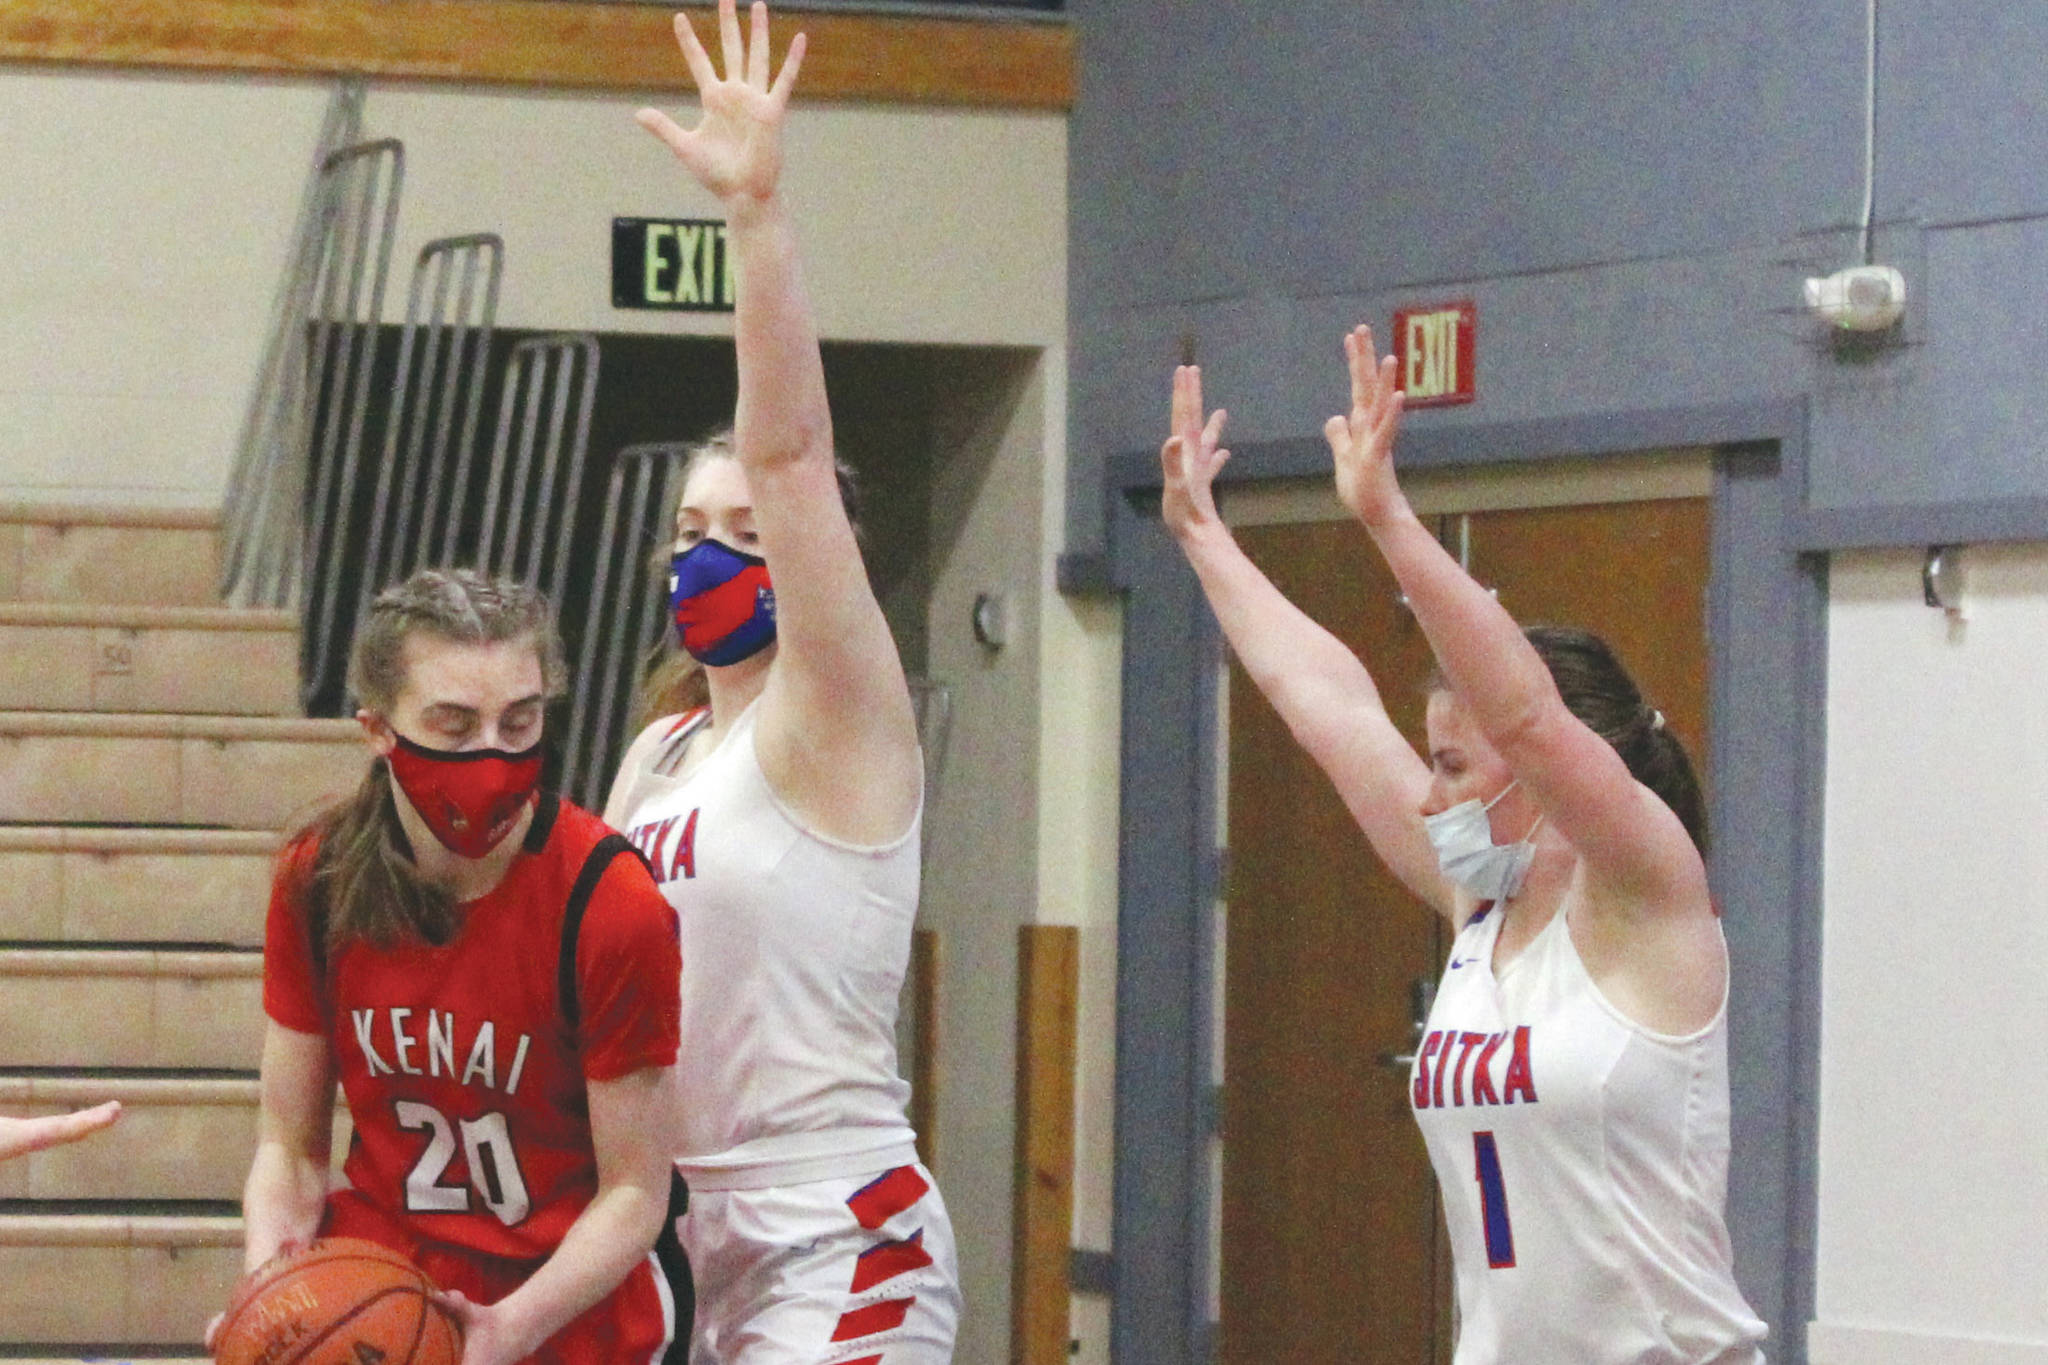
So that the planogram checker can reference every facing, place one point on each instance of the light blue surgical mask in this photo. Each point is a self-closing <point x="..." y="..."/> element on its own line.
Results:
<point x="1467" y="854"/>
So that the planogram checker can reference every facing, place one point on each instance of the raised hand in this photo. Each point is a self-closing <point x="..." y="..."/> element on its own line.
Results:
<point x="1190" y="458"/>
<point x="21" y="1136"/>
<point x="735" y="151"/>
<point x="1362" y="444"/>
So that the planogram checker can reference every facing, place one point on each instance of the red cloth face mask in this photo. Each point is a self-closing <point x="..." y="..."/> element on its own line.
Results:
<point x="469" y="798"/>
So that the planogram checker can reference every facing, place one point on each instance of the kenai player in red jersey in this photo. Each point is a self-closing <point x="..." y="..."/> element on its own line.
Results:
<point x="491" y="975"/>
<point x="1572" y="1085"/>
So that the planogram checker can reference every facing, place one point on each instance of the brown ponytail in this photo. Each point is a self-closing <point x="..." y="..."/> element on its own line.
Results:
<point x="1600" y="692"/>
<point x="363" y="882"/>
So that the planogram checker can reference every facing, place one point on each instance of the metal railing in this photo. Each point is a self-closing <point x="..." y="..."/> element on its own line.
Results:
<point x="262" y="513"/>
<point x="346" y="321"/>
<point x="296" y="510"/>
<point x="309" y="519"/>
<point x="443" y="362"/>
<point x="529" y="519"/>
<point x="624" y="621"/>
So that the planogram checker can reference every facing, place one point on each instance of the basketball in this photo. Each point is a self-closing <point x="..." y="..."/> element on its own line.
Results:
<point x="341" y="1301"/>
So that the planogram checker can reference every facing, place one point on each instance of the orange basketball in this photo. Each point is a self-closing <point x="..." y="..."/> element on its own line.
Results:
<point x="341" y="1301"/>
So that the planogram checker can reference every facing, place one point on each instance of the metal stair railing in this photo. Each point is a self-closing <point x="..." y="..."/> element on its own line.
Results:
<point x="443" y="365"/>
<point x="261" y="514"/>
<point x="345" y="328"/>
<point x="622" y="623"/>
<point x="543" y="436"/>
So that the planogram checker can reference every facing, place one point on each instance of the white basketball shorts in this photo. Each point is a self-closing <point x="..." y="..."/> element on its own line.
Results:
<point x="854" y="1271"/>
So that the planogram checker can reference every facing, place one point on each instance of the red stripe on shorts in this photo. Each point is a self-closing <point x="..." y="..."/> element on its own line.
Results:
<point x="866" y="1360"/>
<point x="887" y="1195"/>
<point x="885" y="1316"/>
<point x="887" y="1260"/>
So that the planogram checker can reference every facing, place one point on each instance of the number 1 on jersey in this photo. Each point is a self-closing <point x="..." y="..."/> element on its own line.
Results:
<point x="1493" y="1203"/>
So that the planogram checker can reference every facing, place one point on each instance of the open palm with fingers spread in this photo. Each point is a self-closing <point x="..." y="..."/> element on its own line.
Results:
<point x="1362" y="442"/>
<point x="735" y="151"/>
<point x="1191" y="458"/>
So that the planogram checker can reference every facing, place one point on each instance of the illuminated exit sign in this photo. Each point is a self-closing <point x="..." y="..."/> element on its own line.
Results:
<point x="671" y="263"/>
<point x="1435" y="350"/>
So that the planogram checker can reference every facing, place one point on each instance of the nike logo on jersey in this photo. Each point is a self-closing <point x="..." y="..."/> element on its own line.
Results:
<point x="1458" y="962"/>
<point x="669" y="861"/>
<point x="1474" y="1061"/>
<point x="438" y="1043"/>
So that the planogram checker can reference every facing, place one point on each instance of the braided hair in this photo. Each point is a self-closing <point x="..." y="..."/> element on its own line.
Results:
<point x="362" y="882"/>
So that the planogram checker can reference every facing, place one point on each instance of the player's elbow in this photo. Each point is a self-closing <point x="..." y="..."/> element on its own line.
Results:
<point x="639" y="1204"/>
<point x="1525" y="732"/>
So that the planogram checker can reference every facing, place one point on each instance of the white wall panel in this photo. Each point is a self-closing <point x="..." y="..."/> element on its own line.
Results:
<point x="1934" y="1083"/>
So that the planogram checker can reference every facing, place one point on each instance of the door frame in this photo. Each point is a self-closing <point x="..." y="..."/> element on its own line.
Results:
<point x="1766" y="627"/>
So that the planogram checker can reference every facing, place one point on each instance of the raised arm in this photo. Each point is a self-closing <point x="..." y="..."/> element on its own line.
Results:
<point x="836" y="733"/>
<point x="1319" y="687"/>
<point x="1629" y="838"/>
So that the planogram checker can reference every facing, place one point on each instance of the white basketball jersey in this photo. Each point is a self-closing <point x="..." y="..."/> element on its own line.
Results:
<point x="1584" y="1166"/>
<point x="794" y="950"/>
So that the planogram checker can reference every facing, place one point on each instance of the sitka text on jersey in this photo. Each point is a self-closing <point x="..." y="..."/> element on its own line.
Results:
<point x="798" y="944"/>
<point x="669" y="845"/>
<point x="1582" y="1161"/>
<point x="1455" y="1054"/>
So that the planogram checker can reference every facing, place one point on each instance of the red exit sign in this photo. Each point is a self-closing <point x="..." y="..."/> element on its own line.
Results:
<point x="1435" y="353"/>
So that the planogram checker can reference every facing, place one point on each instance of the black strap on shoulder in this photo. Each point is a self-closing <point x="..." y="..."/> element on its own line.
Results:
<point x="545" y="809"/>
<point x="601" y="856"/>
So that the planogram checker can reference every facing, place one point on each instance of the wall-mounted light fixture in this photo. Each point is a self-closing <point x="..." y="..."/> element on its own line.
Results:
<point x="991" y="620"/>
<point x="1941" y="580"/>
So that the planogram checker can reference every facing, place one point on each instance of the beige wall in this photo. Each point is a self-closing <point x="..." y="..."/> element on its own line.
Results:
<point x="145" y="223"/>
<point x="916" y="225"/>
<point x="980" y="854"/>
<point x="1934" y="1085"/>
<point x="143" y="226"/>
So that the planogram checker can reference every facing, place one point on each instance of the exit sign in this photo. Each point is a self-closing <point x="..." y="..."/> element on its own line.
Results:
<point x="1435" y="351"/>
<point x="671" y="263"/>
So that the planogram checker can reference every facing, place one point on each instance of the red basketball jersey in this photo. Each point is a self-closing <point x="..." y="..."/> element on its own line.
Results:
<point x="463" y="1070"/>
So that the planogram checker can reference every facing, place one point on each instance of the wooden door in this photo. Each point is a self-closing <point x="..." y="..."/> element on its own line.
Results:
<point x="1633" y="573"/>
<point x="1329" y="1215"/>
<point x="1331" y="1242"/>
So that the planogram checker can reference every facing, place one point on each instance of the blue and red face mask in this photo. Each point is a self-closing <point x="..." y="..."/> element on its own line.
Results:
<point x="723" y="602"/>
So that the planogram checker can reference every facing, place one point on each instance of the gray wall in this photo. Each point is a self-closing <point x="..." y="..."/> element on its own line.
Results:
<point x="1631" y="191"/>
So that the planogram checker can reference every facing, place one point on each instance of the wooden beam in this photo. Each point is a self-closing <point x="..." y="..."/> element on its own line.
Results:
<point x="1048" y="994"/>
<point x="881" y="58"/>
<point x="924" y="1031"/>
